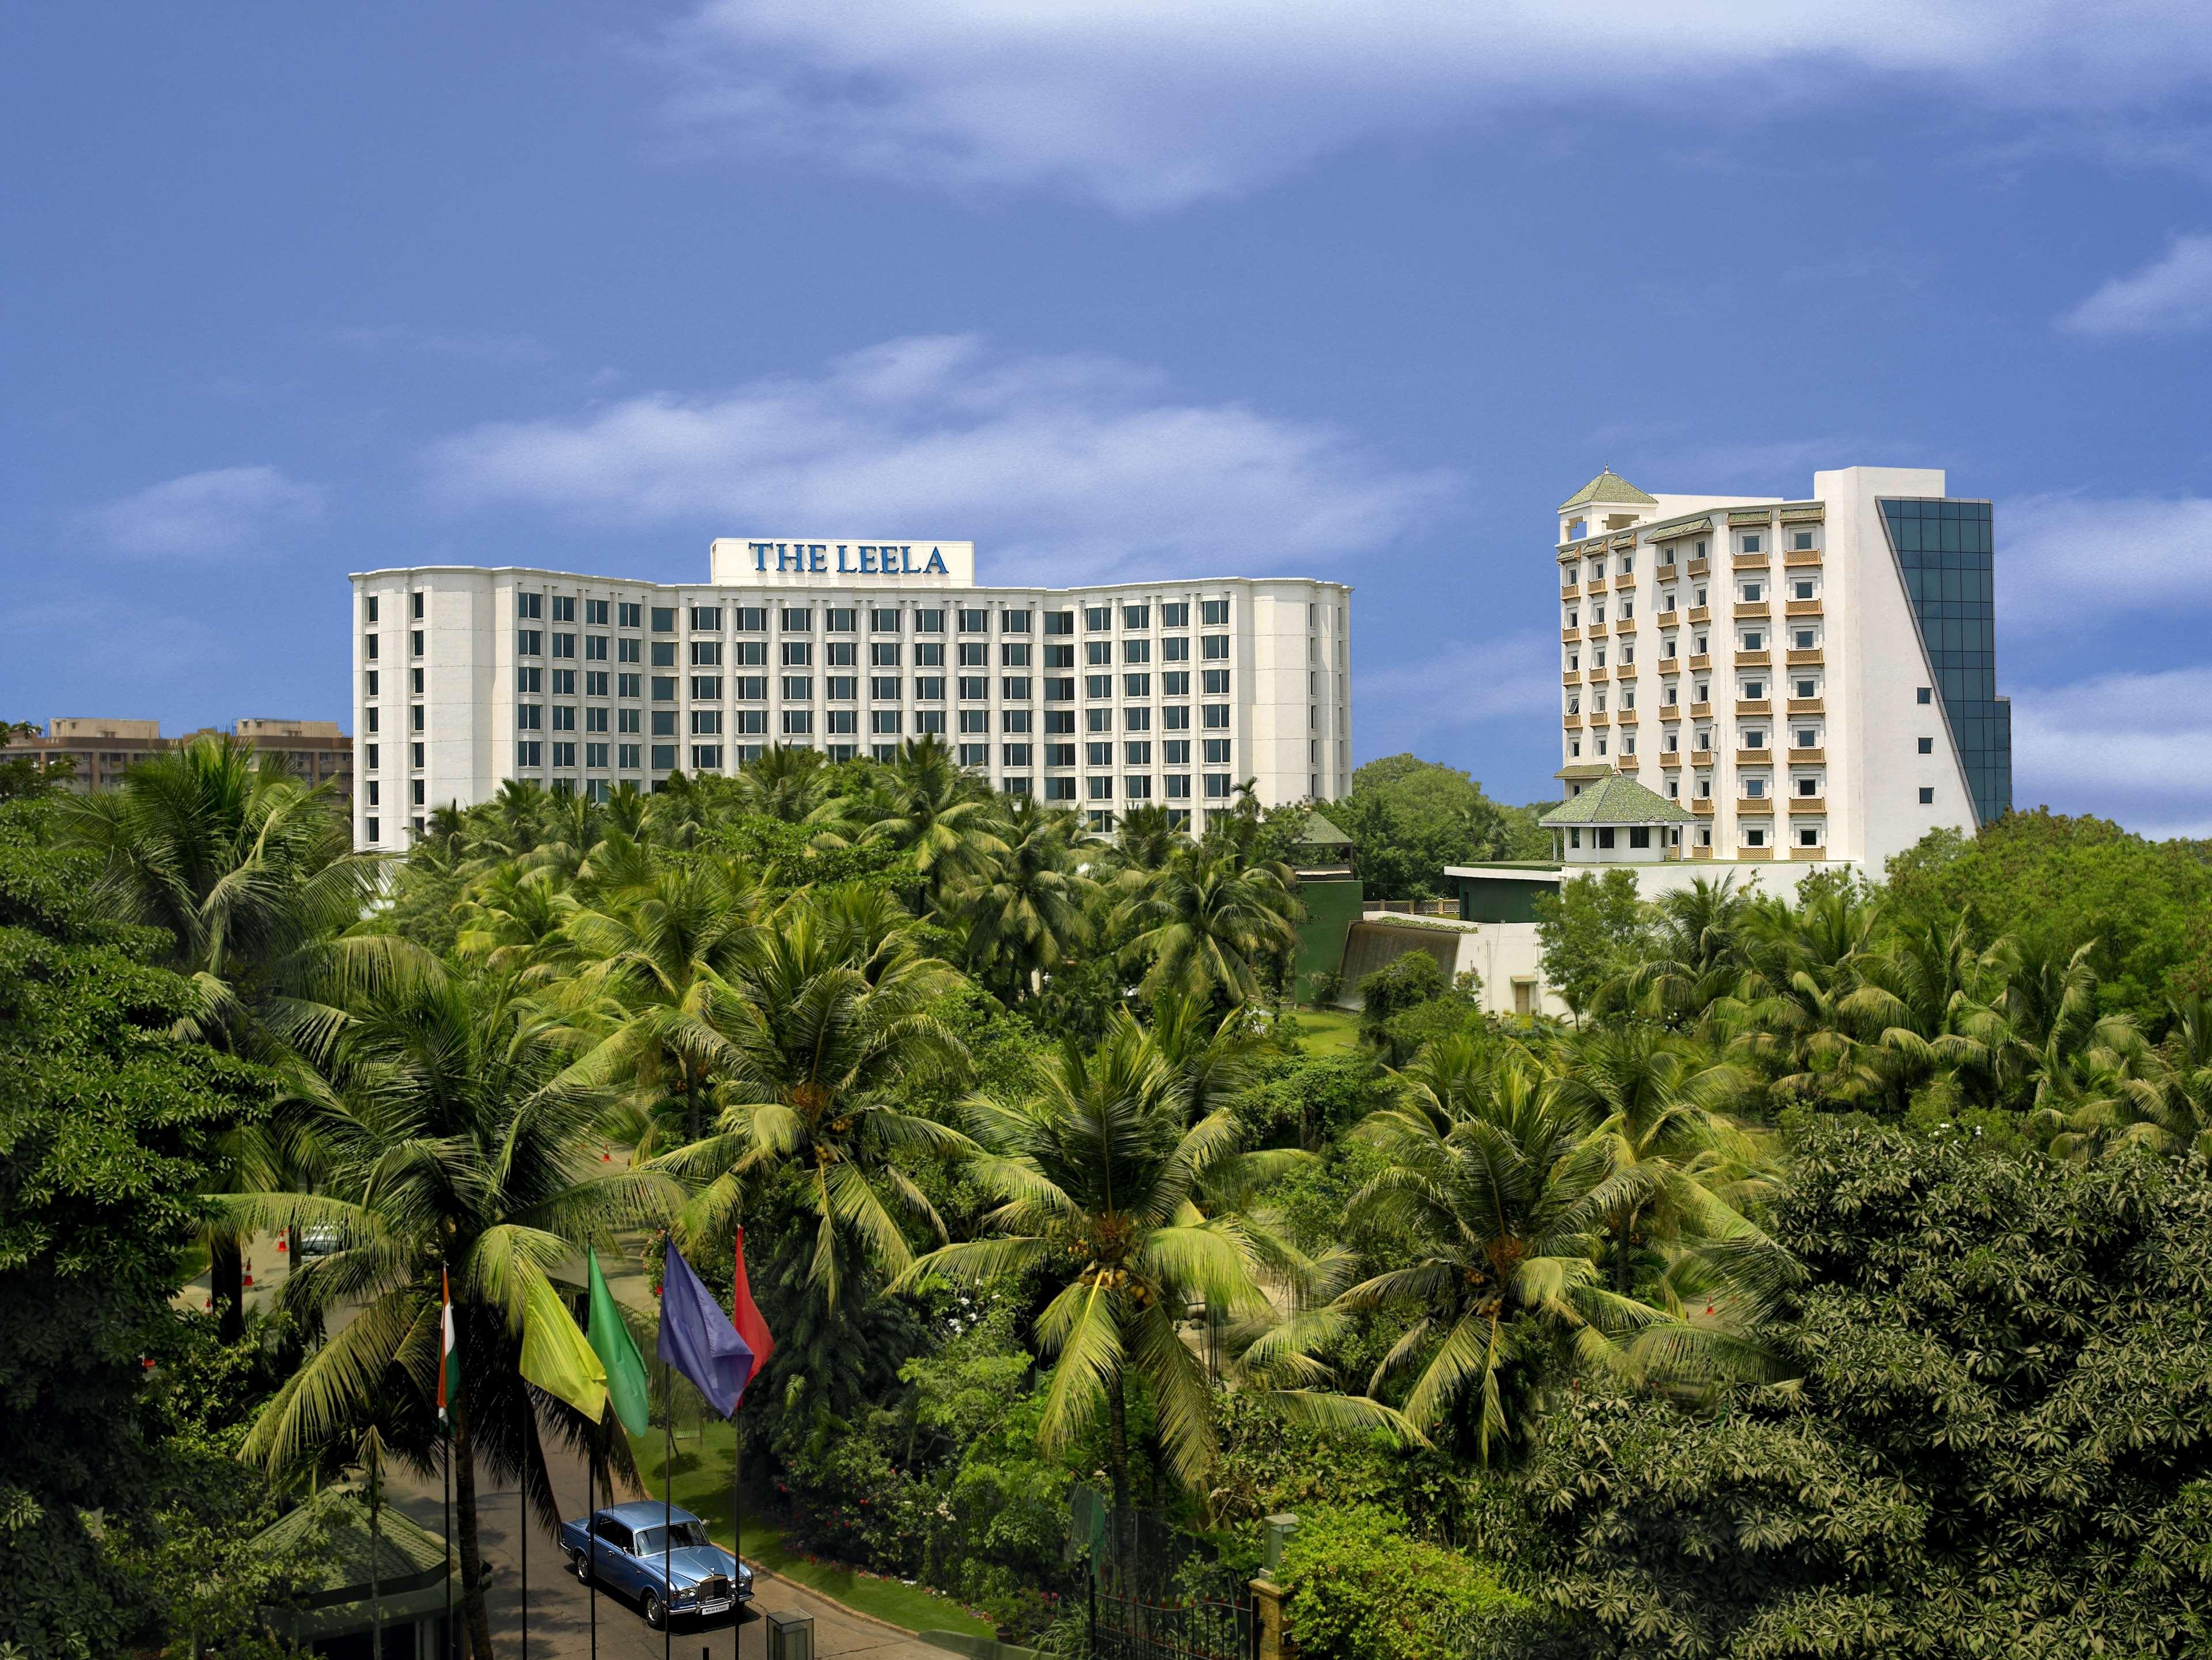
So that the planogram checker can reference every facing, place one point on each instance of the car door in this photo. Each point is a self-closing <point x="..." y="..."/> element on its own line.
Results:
<point x="616" y="1570"/>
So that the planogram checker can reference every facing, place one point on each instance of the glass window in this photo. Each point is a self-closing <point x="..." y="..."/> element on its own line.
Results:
<point x="628" y="615"/>
<point x="1014" y="621"/>
<point x="1176" y="616"/>
<point x="1060" y="622"/>
<point x="664" y="620"/>
<point x="841" y="619"/>
<point x="975" y="620"/>
<point x="929" y="620"/>
<point x="1214" y="613"/>
<point x="883" y="619"/>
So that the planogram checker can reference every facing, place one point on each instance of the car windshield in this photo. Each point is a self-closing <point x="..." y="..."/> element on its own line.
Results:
<point x="682" y="1535"/>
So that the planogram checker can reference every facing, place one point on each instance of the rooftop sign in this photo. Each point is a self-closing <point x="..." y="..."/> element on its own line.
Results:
<point x="788" y="561"/>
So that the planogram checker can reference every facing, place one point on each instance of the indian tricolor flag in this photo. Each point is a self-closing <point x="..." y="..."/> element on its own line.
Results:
<point x="449" y="1363"/>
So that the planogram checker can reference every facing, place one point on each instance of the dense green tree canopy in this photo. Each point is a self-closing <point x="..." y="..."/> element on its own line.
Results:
<point x="1409" y="818"/>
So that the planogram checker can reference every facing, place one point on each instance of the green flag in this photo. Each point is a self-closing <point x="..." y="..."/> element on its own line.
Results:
<point x="618" y="1352"/>
<point x="555" y="1355"/>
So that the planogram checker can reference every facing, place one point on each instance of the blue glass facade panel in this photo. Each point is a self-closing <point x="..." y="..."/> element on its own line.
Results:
<point x="1946" y="553"/>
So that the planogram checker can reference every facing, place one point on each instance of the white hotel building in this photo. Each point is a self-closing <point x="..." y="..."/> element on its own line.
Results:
<point x="1745" y="679"/>
<point x="1094" y="699"/>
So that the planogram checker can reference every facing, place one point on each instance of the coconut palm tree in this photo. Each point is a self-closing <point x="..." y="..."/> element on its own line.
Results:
<point x="813" y="1030"/>
<point x="944" y="822"/>
<point x="450" y="1147"/>
<point x="252" y="877"/>
<point x="2139" y="1094"/>
<point x="1024" y="909"/>
<point x="655" y="954"/>
<point x="1660" y="1167"/>
<point x="1204" y="923"/>
<point x="1477" y="1197"/>
<point x="785" y="782"/>
<point x="1145" y="838"/>
<point x="514" y="921"/>
<point x="1100" y="1178"/>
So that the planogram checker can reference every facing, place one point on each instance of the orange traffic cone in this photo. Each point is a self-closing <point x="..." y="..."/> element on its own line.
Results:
<point x="606" y="1157"/>
<point x="280" y="1238"/>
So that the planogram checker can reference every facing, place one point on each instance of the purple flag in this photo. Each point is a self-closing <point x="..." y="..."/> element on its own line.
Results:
<point x="696" y="1337"/>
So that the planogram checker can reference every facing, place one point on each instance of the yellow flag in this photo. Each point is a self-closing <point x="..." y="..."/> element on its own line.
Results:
<point x="555" y="1355"/>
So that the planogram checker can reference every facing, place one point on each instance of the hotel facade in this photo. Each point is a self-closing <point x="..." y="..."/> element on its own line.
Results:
<point x="1097" y="699"/>
<point x="1748" y="680"/>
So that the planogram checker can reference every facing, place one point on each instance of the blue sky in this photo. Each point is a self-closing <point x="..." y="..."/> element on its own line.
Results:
<point x="1127" y="289"/>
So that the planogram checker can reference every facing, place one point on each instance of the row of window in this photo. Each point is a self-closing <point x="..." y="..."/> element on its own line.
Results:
<point x="883" y="654"/>
<point x="1796" y="539"/>
<point x="845" y="619"/>
<point x="530" y="681"/>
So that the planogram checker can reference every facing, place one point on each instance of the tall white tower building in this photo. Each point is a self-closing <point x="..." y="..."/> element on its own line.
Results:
<point x="1745" y="679"/>
<point x="1098" y="698"/>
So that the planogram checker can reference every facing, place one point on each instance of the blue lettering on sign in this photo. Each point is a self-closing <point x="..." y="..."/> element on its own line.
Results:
<point x="875" y="559"/>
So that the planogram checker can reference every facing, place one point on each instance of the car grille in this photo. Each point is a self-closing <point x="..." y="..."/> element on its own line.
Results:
<point x="715" y="1589"/>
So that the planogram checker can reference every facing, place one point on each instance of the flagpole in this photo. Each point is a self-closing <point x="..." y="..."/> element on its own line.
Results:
<point x="449" y="1542"/>
<point x="668" y="1514"/>
<point x="592" y="1537"/>
<point x="522" y="1515"/>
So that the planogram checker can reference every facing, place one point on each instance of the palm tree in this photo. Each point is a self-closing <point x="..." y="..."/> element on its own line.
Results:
<point x="1478" y="1194"/>
<point x="1697" y="958"/>
<point x="514" y="921"/>
<point x="252" y="877"/>
<point x="1204" y="922"/>
<point x="825" y="1016"/>
<point x="1025" y="908"/>
<point x="2140" y="1094"/>
<point x="656" y="954"/>
<point x="943" y="821"/>
<point x="1661" y="1168"/>
<point x="1101" y="1178"/>
<point x="451" y="1147"/>
<point x="1145" y="838"/>
<point x="785" y="782"/>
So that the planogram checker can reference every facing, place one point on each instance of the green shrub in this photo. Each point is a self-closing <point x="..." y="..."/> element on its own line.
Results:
<point x="1361" y="1588"/>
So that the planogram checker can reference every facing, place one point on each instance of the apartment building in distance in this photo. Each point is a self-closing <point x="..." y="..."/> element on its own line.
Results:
<point x="103" y="749"/>
<point x="1097" y="698"/>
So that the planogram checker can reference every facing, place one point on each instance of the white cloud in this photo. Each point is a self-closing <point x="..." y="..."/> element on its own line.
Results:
<point x="2067" y="561"/>
<point x="203" y="515"/>
<point x="2124" y="746"/>
<point x="1057" y="465"/>
<point x="2170" y="295"/>
<point x="1146" y="104"/>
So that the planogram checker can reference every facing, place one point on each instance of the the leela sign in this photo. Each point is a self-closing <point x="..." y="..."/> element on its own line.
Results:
<point x="749" y="559"/>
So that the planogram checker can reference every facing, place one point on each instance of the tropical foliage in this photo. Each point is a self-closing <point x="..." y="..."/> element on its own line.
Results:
<point x="1829" y="1283"/>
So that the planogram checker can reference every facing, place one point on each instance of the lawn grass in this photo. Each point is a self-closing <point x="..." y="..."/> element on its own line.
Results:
<point x="702" y="1486"/>
<point x="1327" y="1031"/>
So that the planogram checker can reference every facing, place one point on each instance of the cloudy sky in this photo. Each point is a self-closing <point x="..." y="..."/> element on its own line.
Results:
<point x="1135" y="288"/>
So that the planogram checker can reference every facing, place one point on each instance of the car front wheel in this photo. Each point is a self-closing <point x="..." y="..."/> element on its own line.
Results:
<point x="580" y="1566"/>
<point x="656" y="1616"/>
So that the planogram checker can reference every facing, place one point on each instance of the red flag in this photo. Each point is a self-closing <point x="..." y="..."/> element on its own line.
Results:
<point x="746" y="1316"/>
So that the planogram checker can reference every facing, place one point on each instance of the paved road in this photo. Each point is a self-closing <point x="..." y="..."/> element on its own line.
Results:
<point x="560" y="1608"/>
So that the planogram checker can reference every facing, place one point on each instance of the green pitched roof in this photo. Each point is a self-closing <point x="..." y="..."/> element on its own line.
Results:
<point x="1616" y="800"/>
<point x="1608" y="487"/>
<point x="405" y="1551"/>
<point x="1321" y="833"/>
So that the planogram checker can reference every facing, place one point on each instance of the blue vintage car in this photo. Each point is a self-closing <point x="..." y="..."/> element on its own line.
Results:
<point x="659" y="1557"/>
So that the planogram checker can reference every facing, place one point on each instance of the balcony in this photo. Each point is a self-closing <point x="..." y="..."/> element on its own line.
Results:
<point x="1753" y="608"/>
<point x="1753" y="706"/>
<point x="1701" y="613"/>
<point x="1595" y="588"/>
<point x="1818" y="851"/>
<point x="1755" y="660"/>
<point x="1670" y="758"/>
<point x="1701" y="853"/>
<point x="1804" y="660"/>
<point x="1702" y="807"/>
<point x="1624" y="671"/>
<point x="1567" y="636"/>
<point x="1572" y="677"/>
<point x="1625" y="579"/>
<point x="1754" y="853"/>
<point x="1754" y="806"/>
<point x="1702" y="661"/>
<point x="1699" y="566"/>
<point x="1571" y="720"/>
<point x="1751" y="562"/>
<point x="1600" y="718"/>
<point x="1701" y="711"/>
<point x="1804" y="804"/>
<point x="1665" y="573"/>
<point x="1807" y="705"/>
<point x="1801" y="556"/>
<point x="1813" y="757"/>
<point x="1801" y="608"/>
<point x="1628" y="717"/>
<point x="1755" y="757"/>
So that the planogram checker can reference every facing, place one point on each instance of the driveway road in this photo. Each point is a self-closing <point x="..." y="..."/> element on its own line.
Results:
<point x="560" y="1607"/>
